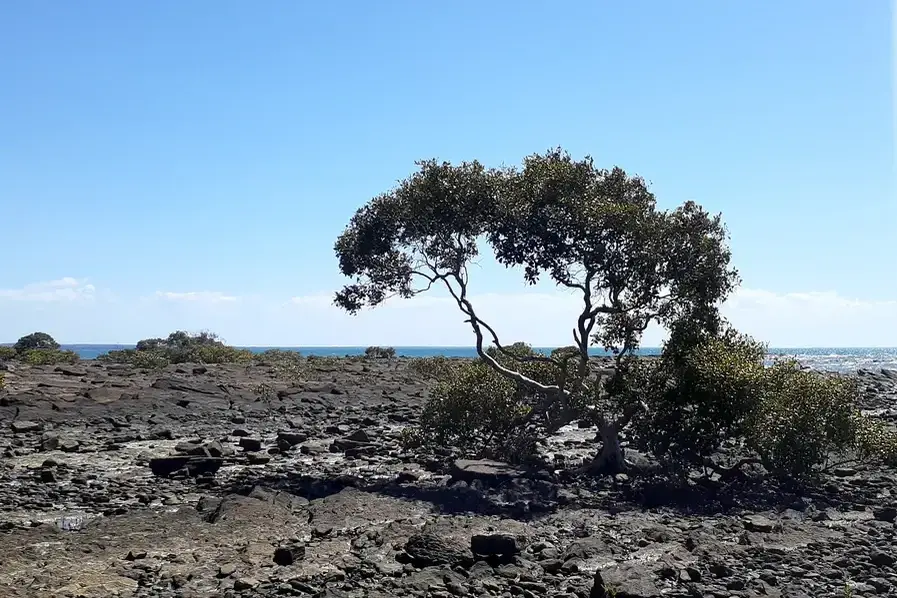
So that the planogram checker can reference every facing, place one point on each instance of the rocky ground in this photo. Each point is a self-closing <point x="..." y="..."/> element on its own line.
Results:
<point x="230" y="481"/>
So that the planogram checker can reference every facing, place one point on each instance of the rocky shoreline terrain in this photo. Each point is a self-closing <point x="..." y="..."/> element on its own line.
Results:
<point x="230" y="480"/>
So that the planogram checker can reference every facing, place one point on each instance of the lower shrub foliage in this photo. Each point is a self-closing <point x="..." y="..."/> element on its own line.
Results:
<point x="478" y="410"/>
<point x="703" y="393"/>
<point x="380" y="352"/>
<point x="179" y="347"/>
<point x="49" y="357"/>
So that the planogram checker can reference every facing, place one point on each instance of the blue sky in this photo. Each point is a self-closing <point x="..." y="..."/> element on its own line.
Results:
<point x="188" y="165"/>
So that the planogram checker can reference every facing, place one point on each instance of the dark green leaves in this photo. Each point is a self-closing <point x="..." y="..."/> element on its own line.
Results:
<point x="595" y="231"/>
<point x="36" y="341"/>
<point x="401" y="241"/>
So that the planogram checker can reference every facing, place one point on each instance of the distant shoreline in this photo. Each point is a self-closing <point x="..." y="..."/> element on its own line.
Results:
<point x="834" y="359"/>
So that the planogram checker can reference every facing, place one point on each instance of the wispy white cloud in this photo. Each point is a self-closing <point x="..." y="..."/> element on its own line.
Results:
<point x="814" y="318"/>
<point x="805" y="319"/>
<point x="541" y="317"/>
<point x="197" y="296"/>
<point x="63" y="289"/>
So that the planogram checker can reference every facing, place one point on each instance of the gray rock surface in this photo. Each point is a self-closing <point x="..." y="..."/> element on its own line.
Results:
<point x="228" y="480"/>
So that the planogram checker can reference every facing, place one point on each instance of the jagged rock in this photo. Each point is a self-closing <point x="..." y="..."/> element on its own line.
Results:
<point x="494" y="545"/>
<point x="193" y="466"/>
<point x="483" y="469"/>
<point x="49" y="441"/>
<point x="24" y="427"/>
<point x="287" y="555"/>
<point x="888" y="514"/>
<point x="428" y="549"/>
<point x="625" y="580"/>
<point x="252" y="445"/>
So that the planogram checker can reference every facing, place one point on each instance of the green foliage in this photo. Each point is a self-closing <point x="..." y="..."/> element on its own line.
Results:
<point x="183" y="347"/>
<point x="474" y="410"/>
<point x="36" y="340"/>
<point x="7" y="353"/>
<point x="479" y="411"/>
<point x="220" y="354"/>
<point x="594" y="230"/>
<point x="803" y="418"/>
<point x="597" y="232"/>
<point x="324" y="361"/>
<point x="179" y="347"/>
<point x="278" y="356"/>
<point x="429" y="368"/>
<point x="48" y="357"/>
<point x="875" y="442"/>
<point x="697" y="395"/>
<point x="380" y="352"/>
<point x="149" y="360"/>
<point x="289" y="366"/>
<point x="707" y="389"/>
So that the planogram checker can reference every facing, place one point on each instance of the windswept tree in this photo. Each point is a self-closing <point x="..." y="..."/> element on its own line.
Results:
<point x="596" y="232"/>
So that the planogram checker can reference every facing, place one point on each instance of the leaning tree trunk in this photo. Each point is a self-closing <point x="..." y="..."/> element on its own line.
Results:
<point x="610" y="459"/>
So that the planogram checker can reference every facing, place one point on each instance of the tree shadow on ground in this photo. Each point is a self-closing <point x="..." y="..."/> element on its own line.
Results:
<point x="535" y="495"/>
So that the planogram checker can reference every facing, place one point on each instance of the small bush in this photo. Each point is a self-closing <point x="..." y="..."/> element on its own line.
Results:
<point x="324" y="361"/>
<point x="380" y="352"/>
<point x="429" y="368"/>
<point x="220" y="354"/>
<point x="2" y="379"/>
<point x="179" y="347"/>
<point x="7" y="353"/>
<point x="36" y="341"/>
<point x="697" y="396"/>
<point x="150" y="360"/>
<point x="803" y="418"/>
<point x="288" y="366"/>
<point x="278" y="356"/>
<point x="479" y="411"/>
<point x="49" y="357"/>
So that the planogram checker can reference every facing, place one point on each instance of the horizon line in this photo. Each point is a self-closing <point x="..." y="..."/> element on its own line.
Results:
<point x="535" y="346"/>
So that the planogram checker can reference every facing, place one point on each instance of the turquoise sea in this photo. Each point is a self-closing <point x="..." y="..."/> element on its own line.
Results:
<point x="828" y="359"/>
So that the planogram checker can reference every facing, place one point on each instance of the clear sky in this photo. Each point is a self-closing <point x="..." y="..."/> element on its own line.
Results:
<point x="174" y="164"/>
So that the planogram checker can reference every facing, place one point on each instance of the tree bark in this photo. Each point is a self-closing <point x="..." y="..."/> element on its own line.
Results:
<point x="611" y="458"/>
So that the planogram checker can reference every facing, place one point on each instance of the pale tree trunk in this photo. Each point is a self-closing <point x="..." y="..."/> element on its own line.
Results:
<point x="611" y="458"/>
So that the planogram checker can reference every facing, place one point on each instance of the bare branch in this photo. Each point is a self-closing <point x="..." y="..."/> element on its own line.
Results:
<point x="477" y="325"/>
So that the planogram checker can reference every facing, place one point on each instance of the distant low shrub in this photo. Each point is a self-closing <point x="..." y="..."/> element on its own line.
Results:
<point x="146" y="359"/>
<point x="327" y="361"/>
<point x="287" y="366"/>
<point x="804" y="417"/>
<point x="49" y="357"/>
<point x="433" y="368"/>
<point x="7" y="353"/>
<point x="278" y="356"/>
<point x="36" y="340"/>
<point x="220" y="354"/>
<point x="179" y="347"/>
<point x="380" y="352"/>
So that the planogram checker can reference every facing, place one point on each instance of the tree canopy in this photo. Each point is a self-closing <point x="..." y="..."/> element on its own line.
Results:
<point x="596" y="232"/>
<point x="36" y="341"/>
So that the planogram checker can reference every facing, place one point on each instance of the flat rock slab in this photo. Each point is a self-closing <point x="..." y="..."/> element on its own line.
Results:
<point x="24" y="426"/>
<point x="166" y="466"/>
<point x="484" y="470"/>
<point x="626" y="580"/>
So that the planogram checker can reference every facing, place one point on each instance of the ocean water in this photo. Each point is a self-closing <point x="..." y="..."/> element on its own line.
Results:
<point x="824" y="359"/>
